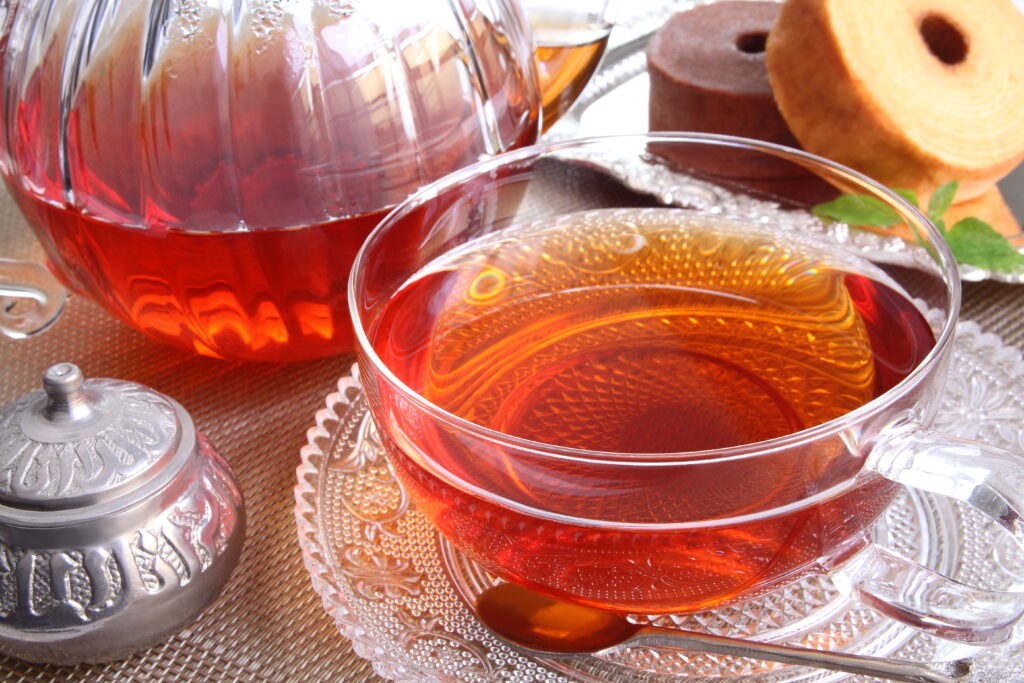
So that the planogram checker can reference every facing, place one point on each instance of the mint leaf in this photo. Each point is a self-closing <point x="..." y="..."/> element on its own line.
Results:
<point x="977" y="243"/>
<point x="941" y="200"/>
<point x="858" y="209"/>
<point x="972" y="240"/>
<point x="909" y="195"/>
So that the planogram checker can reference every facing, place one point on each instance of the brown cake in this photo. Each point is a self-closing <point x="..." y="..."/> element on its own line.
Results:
<point x="708" y="74"/>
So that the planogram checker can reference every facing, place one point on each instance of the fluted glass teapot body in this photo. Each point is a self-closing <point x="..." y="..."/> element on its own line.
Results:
<point x="207" y="169"/>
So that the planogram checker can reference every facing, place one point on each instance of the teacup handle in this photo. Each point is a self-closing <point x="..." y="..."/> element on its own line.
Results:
<point x="988" y="478"/>
<point x="31" y="299"/>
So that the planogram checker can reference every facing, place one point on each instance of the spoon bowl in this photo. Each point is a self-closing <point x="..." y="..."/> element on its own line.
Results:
<point x="534" y="621"/>
<point x="543" y="625"/>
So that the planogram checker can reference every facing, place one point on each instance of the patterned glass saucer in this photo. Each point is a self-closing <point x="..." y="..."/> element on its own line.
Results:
<point x="401" y="593"/>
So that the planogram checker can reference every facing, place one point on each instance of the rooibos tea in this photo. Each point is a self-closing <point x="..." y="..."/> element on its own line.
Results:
<point x="647" y="331"/>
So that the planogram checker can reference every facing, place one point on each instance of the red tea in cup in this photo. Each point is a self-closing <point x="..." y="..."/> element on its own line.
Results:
<point x="674" y="407"/>
<point x="643" y="331"/>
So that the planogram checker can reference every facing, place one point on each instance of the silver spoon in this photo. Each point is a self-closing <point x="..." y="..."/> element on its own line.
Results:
<point x="547" y="626"/>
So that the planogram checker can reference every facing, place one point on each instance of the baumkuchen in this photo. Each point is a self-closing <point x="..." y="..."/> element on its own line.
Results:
<point x="912" y="93"/>
<point x="708" y="75"/>
<point x="989" y="207"/>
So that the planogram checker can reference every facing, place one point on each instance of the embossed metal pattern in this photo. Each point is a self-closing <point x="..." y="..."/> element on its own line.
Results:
<point x="53" y="592"/>
<point x="401" y="593"/>
<point x="139" y="428"/>
<point x="151" y="529"/>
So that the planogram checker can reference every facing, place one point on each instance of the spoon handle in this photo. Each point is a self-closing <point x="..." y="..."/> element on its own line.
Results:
<point x="891" y="669"/>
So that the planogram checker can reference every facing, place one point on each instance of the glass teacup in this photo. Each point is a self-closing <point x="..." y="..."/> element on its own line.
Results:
<point x="678" y="398"/>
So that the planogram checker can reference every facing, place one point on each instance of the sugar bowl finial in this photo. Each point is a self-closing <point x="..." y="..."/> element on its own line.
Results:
<point x="119" y="522"/>
<point x="62" y="384"/>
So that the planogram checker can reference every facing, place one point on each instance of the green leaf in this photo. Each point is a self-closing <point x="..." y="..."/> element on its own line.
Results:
<point x="942" y="199"/>
<point x="972" y="240"/>
<point x="909" y="195"/>
<point x="977" y="243"/>
<point x="858" y="209"/>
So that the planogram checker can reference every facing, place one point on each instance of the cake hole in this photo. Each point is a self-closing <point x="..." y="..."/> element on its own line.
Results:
<point x="752" y="43"/>
<point x="943" y="39"/>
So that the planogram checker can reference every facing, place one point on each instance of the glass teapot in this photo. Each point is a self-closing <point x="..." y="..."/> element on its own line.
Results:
<point x="207" y="169"/>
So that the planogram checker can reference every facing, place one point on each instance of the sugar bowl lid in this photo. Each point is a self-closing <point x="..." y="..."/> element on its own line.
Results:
<point x="119" y="522"/>
<point x="77" y="444"/>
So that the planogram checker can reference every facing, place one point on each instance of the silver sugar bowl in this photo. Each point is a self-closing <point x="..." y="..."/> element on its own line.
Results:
<point x="119" y="522"/>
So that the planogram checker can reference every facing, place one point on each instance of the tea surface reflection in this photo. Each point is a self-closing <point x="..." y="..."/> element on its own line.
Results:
<point x="644" y="331"/>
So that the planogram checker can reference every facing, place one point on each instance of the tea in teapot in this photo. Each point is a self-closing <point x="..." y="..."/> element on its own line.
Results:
<point x="207" y="169"/>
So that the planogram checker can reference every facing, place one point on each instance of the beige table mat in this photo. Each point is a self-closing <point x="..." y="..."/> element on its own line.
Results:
<point x="268" y="625"/>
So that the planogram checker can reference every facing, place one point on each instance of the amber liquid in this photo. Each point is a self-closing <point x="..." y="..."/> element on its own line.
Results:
<point x="569" y="48"/>
<point x="267" y="295"/>
<point x="646" y="333"/>
<point x="210" y="183"/>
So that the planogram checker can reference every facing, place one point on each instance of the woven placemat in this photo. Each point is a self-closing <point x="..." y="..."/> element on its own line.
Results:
<point x="268" y="625"/>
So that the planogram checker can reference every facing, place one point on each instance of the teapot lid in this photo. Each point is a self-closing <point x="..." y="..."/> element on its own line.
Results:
<point x="81" y="442"/>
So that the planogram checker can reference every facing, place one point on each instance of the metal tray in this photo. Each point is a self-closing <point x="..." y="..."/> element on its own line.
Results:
<point x="615" y="102"/>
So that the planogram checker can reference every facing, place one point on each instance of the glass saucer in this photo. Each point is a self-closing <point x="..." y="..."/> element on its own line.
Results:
<point x="401" y="592"/>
